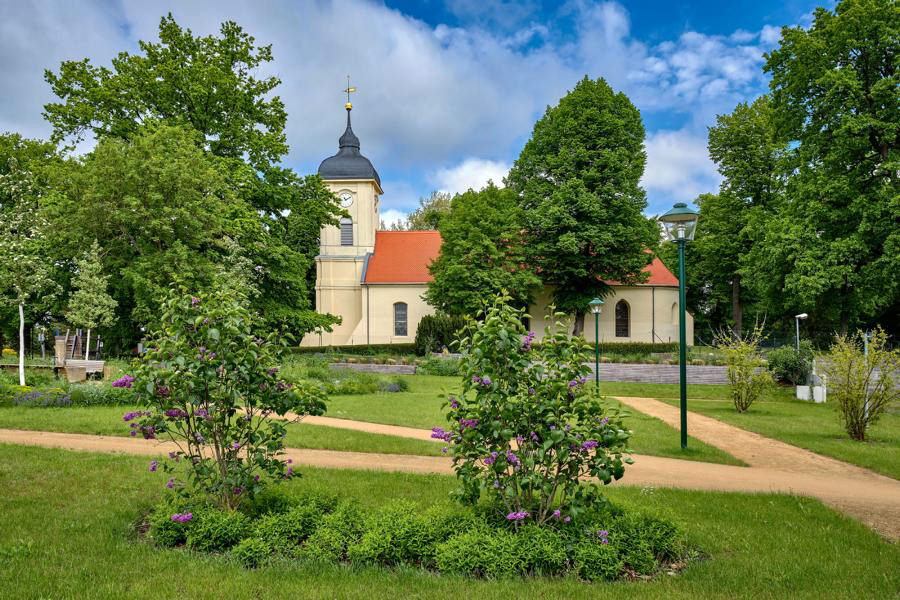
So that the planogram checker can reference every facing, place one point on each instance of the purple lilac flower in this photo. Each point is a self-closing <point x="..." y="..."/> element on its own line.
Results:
<point x="130" y="416"/>
<point x="290" y="460"/>
<point x="273" y="370"/>
<point x="552" y="427"/>
<point x="124" y="381"/>
<point x="511" y="458"/>
<point x="604" y="536"/>
<point x="476" y="379"/>
<point x="238" y="491"/>
<point x="588" y="445"/>
<point x="163" y="391"/>
<point x="604" y="420"/>
<point x="520" y="439"/>
<point x="531" y="391"/>
<point x="454" y="403"/>
<point x="486" y="381"/>
<point x="556" y="514"/>
<point x="149" y="432"/>
<point x="195" y="301"/>
<point x="235" y="446"/>
<point x="182" y="517"/>
<point x="290" y="473"/>
<point x="153" y="465"/>
<point x="567" y="520"/>
<point x="489" y="460"/>
<point x="170" y="483"/>
<point x="256" y="478"/>
<point x="526" y="343"/>
<point x="517" y="516"/>
<point x="175" y="413"/>
<point x="445" y="449"/>
<point x="439" y="434"/>
<point x="496" y="484"/>
<point x="202" y="412"/>
<point x="199" y="438"/>
<point x="463" y="423"/>
<point x="172" y="455"/>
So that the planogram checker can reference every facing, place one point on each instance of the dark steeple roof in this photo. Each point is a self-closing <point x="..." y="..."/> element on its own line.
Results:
<point x="348" y="163"/>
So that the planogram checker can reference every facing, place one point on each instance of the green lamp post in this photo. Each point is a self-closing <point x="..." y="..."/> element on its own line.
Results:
<point x="679" y="225"/>
<point x="596" y="307"/>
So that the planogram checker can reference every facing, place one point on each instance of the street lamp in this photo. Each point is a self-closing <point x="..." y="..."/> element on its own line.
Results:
<point x="797" y="323"/>
<point x="596" y="307"/>
<point x="679" y="225"/>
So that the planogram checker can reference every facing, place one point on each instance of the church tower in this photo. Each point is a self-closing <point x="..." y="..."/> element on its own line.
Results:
<point x="344" y="249"/>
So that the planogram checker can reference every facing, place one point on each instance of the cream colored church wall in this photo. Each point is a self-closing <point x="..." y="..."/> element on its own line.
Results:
<point x="650" y="310"/>
<point x="338" y="292"/>
<point x="363" y="211"/>
<point x="378" y="301"/>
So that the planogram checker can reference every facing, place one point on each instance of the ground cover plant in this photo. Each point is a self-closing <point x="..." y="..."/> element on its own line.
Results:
<point x="757" y="545"/>
<point x="812" y="426"/>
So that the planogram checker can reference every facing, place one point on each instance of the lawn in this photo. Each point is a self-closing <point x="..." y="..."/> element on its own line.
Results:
<point x="68" y="532"/>
<point x="815" y="427"/>
<point x="107" y="420"/>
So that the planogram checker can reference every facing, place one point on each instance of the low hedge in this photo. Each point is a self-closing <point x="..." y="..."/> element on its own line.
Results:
<point x="367" y="350"/>
<point x="605" y="545"/>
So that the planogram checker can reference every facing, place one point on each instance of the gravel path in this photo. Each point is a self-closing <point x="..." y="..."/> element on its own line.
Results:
<point x="873" y="499"/>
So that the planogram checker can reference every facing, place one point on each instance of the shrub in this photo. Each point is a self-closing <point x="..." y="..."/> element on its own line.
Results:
<point x="214" y="530"/>
<point x="166" y="531"/>
<point x="10" y="353"/>
<point x="436" y="332"/>
<point x="747" y="375"/>
<point x="210" y="384"/>
<point x="446" y="367"/>
<point x="335" y="534"/>
<point x="480" y="554"/>
<point x="393" y="385"/>
<point x="595" y="561"/>
<point x="251" y="552"/>
<point x="97" y="394"/>
<point x="525" y="429"/>
<point x="543" y="550"/>
<point x="862" y="385"/>
<point x="789" y="366"/>
<point x="368" y="350"/>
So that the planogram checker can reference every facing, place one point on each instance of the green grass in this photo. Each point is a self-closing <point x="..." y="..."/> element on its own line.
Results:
<point x="107" y="420"/>
<point x="815" y="427"/>
<point x="420" y="407"/>
<point x="69" y="517"/>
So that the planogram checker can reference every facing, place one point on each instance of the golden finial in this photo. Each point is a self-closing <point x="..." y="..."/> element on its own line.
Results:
<point x="349" y="91"/>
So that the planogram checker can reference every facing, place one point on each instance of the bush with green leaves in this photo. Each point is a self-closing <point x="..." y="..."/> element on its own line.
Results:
<point x="861" y="384"/>
<point x="747" y="375"/>
<point x="789" y="366"/>
<point x="446" y="367"/>
<point x="602" y="544"/>
<point x="436" y="332"/>
<point x="526" y="431"/>
<point x="209" y="383"/>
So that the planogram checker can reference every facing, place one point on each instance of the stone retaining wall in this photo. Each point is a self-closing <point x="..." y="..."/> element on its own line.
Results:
<point x="372" y="368"/>
<point x="660" y="373"/>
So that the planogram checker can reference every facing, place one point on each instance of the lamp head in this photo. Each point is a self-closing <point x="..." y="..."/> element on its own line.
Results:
<point x="680" y="223"/>
<point x="801" y="316"/>
<point x="596" y="305"/>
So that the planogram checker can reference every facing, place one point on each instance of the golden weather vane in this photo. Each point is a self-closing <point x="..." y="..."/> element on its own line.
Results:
<point x="350" y="89"/>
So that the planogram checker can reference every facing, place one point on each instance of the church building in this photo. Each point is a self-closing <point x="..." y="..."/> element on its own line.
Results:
<point x="374" y="279"/>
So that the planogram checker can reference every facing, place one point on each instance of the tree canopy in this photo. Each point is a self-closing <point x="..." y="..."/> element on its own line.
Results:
<point x="578" y="183"/>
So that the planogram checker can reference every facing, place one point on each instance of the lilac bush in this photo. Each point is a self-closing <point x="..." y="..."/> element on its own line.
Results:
<point x="210" y="384"/>
<point x="528" y="431"/>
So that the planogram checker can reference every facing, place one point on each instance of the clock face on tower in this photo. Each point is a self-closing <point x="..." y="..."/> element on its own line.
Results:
<point x="346" y="200"/>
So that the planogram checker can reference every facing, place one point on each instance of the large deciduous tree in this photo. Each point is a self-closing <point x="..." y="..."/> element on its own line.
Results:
<point x="208" y="85"/>
<point x="835" y="246"/>
<point x="482" y="254"/>
<point x="578" y="182"/>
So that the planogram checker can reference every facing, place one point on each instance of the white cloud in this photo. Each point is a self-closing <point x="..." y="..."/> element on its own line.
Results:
<point x="472" y="173"/>
<point x="678" y="167"/>
<point x="428" y="96"/>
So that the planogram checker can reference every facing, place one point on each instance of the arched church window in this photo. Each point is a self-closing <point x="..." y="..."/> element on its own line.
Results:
<point x="346" y="232"/>
<point x="623" y="325"/>
<point x="400" y="318"/>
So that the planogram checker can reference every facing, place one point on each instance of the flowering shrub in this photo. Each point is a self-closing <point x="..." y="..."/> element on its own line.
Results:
<point x="27" y="396"/>
<point x="526" y="429"/>
<point x="209" y="384"/>
<point x="747" y="374"/>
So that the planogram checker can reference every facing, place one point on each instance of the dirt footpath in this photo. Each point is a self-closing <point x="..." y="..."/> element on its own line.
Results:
<point x="875" y="501"/>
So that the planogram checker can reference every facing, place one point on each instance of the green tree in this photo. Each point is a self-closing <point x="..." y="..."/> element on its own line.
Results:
<point x="834" y="248"/>
<point x="482" y="253"/>
<point x="24" y="268"/>
<point x="207" y="85"/>
<point x="91" y="306"/>
<point x="578" y="182"/>
<point x="431" y="212"/>
<point x="160" y="209"/>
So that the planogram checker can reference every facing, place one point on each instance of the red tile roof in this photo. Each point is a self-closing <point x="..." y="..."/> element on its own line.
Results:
<point x="404" y="256"/>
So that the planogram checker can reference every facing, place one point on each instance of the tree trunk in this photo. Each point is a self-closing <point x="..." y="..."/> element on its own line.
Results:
<point x="578" y="328"/>
<point x="87" y="347"/>
<point x="737" y="309"/>
<point x="21" y="344"/>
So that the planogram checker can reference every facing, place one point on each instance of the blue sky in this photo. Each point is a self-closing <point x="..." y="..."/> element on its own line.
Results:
<point x="449" y="90"/>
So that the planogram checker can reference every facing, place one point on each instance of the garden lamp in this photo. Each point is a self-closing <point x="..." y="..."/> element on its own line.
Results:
<point x="797" y="323"/>
<point x="596" y="307"/>
<point x="679" y="225"/>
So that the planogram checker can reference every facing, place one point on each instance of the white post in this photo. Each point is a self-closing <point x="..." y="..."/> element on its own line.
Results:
<point x="87" y="347"/>
<point x="21" y="344"/>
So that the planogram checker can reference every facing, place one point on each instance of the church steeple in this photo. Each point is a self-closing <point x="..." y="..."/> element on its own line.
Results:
<point x="348" y="163"/>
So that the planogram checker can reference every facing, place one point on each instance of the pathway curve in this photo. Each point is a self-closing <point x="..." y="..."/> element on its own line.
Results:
<point x="874" y="501"/>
